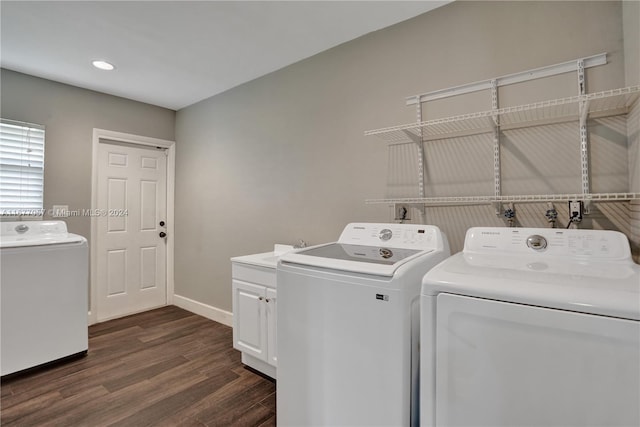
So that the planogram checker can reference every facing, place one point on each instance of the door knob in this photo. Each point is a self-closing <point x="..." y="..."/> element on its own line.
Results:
<point x="163" y="234"/>
<point x="161" y="223"/>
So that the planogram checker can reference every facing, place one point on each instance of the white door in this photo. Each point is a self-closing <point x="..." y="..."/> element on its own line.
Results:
<point x="131" y="222"/>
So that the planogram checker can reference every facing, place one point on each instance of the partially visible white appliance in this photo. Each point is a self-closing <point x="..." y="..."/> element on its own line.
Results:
<point x="348" y="326"/>
<point x="43" y="293"/>
<point x="532" y="327"/>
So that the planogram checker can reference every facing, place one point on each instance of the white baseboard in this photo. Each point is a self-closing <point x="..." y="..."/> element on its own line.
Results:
<point x="204" y="310"/>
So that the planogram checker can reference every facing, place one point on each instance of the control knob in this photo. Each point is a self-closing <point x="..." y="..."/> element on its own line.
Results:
<point x="385" y="234"/>
<point x="536" y="242"/>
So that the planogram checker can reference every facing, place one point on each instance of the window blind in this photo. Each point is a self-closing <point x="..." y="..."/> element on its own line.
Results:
<point x="21" y="168"/>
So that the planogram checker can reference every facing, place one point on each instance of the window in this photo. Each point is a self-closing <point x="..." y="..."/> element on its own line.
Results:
<point x="21" y="168"/>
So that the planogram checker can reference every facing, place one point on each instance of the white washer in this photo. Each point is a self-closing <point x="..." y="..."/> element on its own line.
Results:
<point x="535" y="327"/>
<point x="44" y="284"/>
<point x="348" y="319"/>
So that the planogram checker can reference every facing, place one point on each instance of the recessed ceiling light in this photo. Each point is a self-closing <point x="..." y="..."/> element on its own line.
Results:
<point x="103" y="65"/>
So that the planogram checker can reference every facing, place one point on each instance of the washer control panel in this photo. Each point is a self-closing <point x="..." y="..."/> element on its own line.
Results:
<point x="410" y="236"/>
<point x="582" y="243"/>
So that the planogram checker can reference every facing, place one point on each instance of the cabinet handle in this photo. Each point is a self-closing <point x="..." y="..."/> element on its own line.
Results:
<point x="260" y="298"/>
<point x="267" y="300"/>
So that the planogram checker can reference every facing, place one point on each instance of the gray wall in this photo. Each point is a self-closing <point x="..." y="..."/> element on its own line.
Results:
<point x="631" y="28"/>
<point x="69" y="115"/>
<point x="284" y="157"/>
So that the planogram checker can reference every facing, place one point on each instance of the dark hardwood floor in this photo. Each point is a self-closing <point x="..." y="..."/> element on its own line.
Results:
<point x="166" y="367"/>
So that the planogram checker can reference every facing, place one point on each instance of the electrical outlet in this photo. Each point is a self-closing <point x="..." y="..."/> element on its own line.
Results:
<point x="60" y="211"/>
<point x="575" y="211"/>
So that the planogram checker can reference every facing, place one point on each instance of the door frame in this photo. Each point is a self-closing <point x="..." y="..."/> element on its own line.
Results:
<point x="142" y="141"/>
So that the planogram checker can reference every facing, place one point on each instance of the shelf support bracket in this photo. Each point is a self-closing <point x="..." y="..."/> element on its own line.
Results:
<point x="496" y="146"/>
<point x="583" y="105"/>
<point x="420" y="153"/>
<point x="421" y="163"/>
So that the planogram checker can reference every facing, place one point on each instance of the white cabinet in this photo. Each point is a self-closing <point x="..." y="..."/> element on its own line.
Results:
<point x="254" y="315"/>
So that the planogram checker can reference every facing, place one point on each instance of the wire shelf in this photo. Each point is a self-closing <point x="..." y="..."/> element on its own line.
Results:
<point x="615" y="101"/>
<point x="481" y="200"/>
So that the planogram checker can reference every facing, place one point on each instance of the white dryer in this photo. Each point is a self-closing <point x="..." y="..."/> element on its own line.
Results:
<point x="348" y="326"/>
<point x="532" y="327"/>
<point x="44" y="279"/>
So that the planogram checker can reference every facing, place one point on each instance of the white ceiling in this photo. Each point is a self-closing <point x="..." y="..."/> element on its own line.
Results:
<point x="176" y="53"/>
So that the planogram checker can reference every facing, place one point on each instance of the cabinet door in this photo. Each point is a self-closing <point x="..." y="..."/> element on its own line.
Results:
<point x="249" y="319"/>
<point x="271" y="300"/>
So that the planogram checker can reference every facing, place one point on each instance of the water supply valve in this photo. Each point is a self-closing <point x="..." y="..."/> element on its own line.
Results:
<point x="510" y="214"/>
<point x="402" y="213"/>
<point x="551" y="214"/>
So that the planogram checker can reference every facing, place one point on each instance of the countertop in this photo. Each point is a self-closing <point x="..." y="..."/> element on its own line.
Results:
<point x="265" y="259"/>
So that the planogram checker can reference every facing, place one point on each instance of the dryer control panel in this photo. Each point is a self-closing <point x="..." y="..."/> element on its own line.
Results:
<point x="409" y="236"/>
<point x="592" y="244"/>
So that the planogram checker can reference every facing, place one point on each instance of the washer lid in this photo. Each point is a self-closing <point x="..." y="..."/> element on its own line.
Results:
<point x="36" y="233"/>
<point x="608" y="288"/>
<point x="375" y="260"/>
<point x="373" y="248"/>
